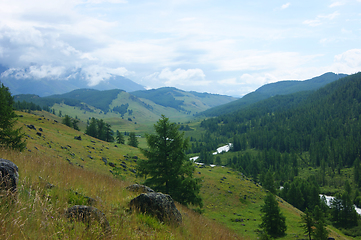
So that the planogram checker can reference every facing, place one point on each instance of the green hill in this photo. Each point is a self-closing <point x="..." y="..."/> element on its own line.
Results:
<point x="128" y="111"/>
<point x="299" y="139"/>
<point x="77" y="171"/>
<point x="273" y="89"/>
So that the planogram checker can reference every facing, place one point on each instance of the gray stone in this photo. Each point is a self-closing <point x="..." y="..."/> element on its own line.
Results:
<point x="9" y="175"/>
<point x="139" y="188"/>
<point x="158" y="205"/>
<point x="87" y="214"/>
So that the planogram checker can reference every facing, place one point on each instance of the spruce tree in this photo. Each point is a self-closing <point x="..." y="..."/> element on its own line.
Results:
<point x="9" y="136"/>
<point x="119" y="137"/>
<point x="132" y="140"/>
<point x="273" y="221"/>
<point x="67" y="121"/>
<point x="168" y="168"/>
<point x="307" y="223"/>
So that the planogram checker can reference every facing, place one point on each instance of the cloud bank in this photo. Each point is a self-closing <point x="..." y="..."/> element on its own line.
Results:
<point x="225" y="48"/>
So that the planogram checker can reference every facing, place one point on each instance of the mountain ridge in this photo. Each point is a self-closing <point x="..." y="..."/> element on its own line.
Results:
<point x="273" y="89"/>
<point x="23" y="83"/>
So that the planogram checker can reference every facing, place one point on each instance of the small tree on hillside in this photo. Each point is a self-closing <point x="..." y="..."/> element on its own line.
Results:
<point x="9" y="136"/>
<point x="74" y="123"/>
<point x="67" y="121"/>
<point x="273" y="221"/>
<point x="307" y="223"/>
<point x="132" y="140"/>
<point x="120" y="137"/>
<point x="167" y="166"/>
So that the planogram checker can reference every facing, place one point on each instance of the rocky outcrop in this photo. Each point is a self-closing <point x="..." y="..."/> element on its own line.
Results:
<point x="159" y="205"/>
<point x="139" y="188"/>
<point x="9" y="176"/>
<point x="87" y="214"/>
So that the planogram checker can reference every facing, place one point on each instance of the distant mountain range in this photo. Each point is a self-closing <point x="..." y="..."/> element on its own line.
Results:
<point x="273" y="89"/>
<point x="46" y="87"/>
<point x="147" y="104"/>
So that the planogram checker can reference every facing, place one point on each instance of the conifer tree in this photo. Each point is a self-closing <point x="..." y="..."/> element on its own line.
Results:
<point x="120" y="137"/>
<point x="9" y="136"/>
<point x="273" y="221"/>
<point x="67" y="121"/>
<point x="167" y="166"/>
<point x="132" y="140"/>
<point x="307" y="223"/>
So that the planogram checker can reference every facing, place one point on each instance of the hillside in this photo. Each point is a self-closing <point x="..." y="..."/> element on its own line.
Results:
<point x="273" y="89"/>
<point x="182" y="100"/>
<point x="120" y="108"/>
<point x="78" y="171"/>
<point x="306" y="138"/>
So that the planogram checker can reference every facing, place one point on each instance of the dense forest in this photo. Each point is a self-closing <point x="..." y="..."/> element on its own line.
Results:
<point x="162" y="96"/>
<point x="277" y="137"/>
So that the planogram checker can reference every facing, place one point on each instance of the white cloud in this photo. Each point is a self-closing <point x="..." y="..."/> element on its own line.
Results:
<point x="104" y="1"/>
<point x="286" y="5"/>
<point x="337" y="4"/>
<point x="95" y="74"/>
<point x="36" y="72"/>
<point x="320" y="19"/>
<point x="182" y="77"/>
<point x="348" y="62"/>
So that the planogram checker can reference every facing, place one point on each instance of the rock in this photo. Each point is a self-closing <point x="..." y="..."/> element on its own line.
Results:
<point x="87" y="214"/>
<point x="31" y="127"/>
<point x="77" y="138"/>
<point x="111" y="164"/>
<point x="9" y="175"/>
<point x="159" y="205"/>
<point x="40" y="129"/>
<point x="105" y="160"/>
<point x="39" y="134"/>
<point x="139" y="188"/>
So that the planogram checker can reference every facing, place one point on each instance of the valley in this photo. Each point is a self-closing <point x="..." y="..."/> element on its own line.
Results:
<point x="273" y="144"/>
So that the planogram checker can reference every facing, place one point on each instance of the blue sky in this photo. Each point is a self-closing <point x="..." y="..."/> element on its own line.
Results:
<point x="225" y="47"/>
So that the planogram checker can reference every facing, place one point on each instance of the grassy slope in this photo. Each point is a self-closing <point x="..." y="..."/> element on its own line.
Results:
<point x="37" y="216"/>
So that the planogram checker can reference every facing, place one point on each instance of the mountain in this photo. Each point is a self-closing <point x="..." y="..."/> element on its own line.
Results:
<point x="45" y="86"/>
<point x="140" y="106"/>
<point x="179" y="99"/>
<point x="273" y="89"/>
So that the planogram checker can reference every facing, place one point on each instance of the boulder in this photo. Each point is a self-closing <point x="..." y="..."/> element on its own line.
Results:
<point x="158" y="205"/>
<point x="78" y="138"/>
<point x="139" y="188"/>
<point x="87" y="214"/>
<point x="9" y="175"/>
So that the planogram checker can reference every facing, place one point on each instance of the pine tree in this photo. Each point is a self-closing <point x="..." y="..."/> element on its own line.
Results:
<point x="120" y="137"/>
<point x="109" y="133"/>
<point x="91" y="129"/>
<point x="74" y="122"/>
<point x="9" y="136"/>
<point x="132" y="140"/>
<point x="273" y="221"/>
<point x="307" y="223"/>
<point x="168" y="168"/>
<point x="67" y="121"/>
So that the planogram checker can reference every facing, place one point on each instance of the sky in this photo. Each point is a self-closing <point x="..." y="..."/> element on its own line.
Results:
<point x="224" y="47"/>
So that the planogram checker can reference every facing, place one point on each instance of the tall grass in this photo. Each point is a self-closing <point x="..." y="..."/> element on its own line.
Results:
<point x="48" y="186"/>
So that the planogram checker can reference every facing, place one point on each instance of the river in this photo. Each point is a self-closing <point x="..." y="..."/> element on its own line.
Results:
<point x="224" y="148"/>
<point x="328" y="202"/>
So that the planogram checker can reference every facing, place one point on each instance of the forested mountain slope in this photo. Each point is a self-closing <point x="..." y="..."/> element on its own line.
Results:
<point x="178" y="99"/>
<point x="324" y="123"/>
<point x="273" y="89"/>
<point x="142" y="105"/>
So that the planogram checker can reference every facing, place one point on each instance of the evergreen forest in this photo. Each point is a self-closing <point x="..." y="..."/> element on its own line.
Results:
<point x="298" y="146"/>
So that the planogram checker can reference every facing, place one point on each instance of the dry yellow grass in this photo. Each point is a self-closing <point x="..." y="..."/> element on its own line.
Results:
<point x="38" y="212"/>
